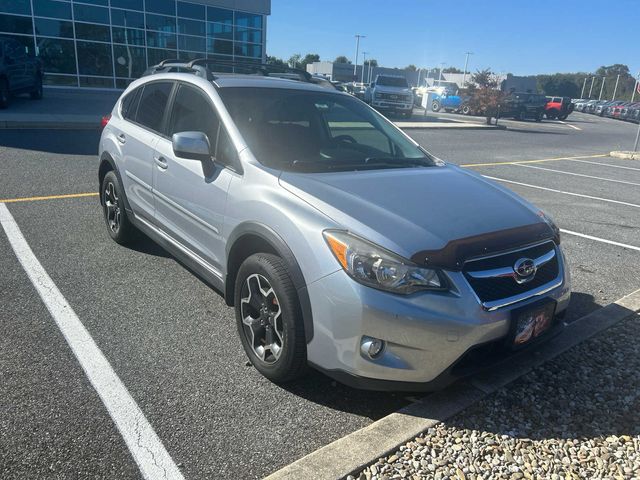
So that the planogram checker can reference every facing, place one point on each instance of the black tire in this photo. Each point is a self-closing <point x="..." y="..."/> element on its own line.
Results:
<point x="563" y="117"/>
<point x="5" y="94"/>
<point x="291" y="363"/>
<point x="466" y="110"/>
<point x="36" y="93"/>
<point x="539" y="116"/>
<point x="435" y="106"/>
<point x="120" y="229"/>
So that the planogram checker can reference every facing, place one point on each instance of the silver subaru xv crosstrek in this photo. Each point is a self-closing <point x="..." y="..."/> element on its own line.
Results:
<point x="341" y="243"/>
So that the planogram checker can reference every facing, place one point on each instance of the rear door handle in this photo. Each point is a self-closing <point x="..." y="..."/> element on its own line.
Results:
<point x="161" y="162"/>
<point x="122" y="139"/>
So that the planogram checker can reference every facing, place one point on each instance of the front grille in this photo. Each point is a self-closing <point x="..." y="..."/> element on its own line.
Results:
<point x="392" y="96"/>
<point x="498" y="288"/>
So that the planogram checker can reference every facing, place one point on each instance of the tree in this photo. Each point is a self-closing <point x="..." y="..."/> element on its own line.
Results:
<point x="276" y="61"/>
<point x="309" y="58"/>
<point x="371" y="61"/>
<point x="485" y="96"/>
<point x="452" y="70"/>
<point x="294" y="60"/>
<point x="411" y="68"/>
<point x="342" y="59"/>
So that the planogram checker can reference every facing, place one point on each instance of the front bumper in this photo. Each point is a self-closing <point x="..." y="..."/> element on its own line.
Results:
<point x="387" y="105"/>
<point x="430" y="336"/>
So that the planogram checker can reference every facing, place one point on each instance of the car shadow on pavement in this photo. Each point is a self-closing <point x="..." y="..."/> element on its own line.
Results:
<point x="69" y="142"/>
<point x="536" y="132"/>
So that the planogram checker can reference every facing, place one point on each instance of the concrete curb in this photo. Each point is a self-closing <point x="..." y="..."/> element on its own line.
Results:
<point x="626" y="155"/>
<point x="363" y="447"/>
<point x="460" y="125"/>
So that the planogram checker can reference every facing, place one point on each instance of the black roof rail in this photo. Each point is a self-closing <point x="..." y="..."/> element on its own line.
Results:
<point x="265" y="69"/>
<point x="175" y="65"/>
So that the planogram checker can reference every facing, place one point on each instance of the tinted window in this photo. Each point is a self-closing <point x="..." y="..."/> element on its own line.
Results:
<point x="14" y="24"/>
<point x="193" y="112"/>
<point x="94" y="59"/>
<point x="126" y="18"/>
<point x="22" y="7"/>
<point x="87" y="13"/>
<point x="130" y="104"/>
<point x="52" y="8"/>
<point x="225" y="150"/>
<point x="392" y="81"/>
<point x="191" y="10"/>
<point x="219" y="15"/>
<point x="168" y="7"/>
<point x="53" y="28"/>
<point x="152" y="104"/>
<point x="248" y="20"/>
<point x="87" y="31"/>
<point x="131" y="4"/>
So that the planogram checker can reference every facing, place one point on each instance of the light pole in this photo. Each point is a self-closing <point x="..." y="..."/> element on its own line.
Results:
<point x="593" y="79"/>
<point x="364" y="65"/>
<point x="440" y="75"/>
<point x="464" y="73"/>
<point x="355" y="67"/>
<point x="635" y="87"/>
<point x="369" y="72"/>
<point x="615" y="89"/>
<point x="602" y="88"/>
<point x="584" y="84"/>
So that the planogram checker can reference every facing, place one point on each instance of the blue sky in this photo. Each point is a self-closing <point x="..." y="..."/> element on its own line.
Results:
<point x="521" y="37"/>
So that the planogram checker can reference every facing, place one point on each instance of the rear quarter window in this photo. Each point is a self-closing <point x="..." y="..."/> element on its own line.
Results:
<point x="153" y="103"/>
<point x="129" y="106"/>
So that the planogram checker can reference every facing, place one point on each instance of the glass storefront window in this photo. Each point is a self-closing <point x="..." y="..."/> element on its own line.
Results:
<point x="130" y="4"/>
<point x="130" y="62"/>
<point x="53" y="28"/>
<point x="88" y="13"/>
<point x="191" y="27"/>
<point x="220" y="15"/>
<point x="94" y="59"/>
<point x="155" y="55"/>
<point x="125" y="18"/>
<point x="161" y="40"/>
<point x="104" y="3"/>
<point x="98" y="33"/>
<point x="52" y="8"/>
<point x="215" y="45"/>
<point x="191" y="10"/>
<point x="58" y="56"/>
<point x="161" y="23"/>
<point x="166" y="7"/>
<point x="248" y="35"/>
<point x="196" y="44"/>
<point x="220" y="30"/>
<point x="128" y="36"/>
<point x="16" y="24"/>
<point x="248" y="20"/>
<point x="248" y="50"/>
<point x="21" y="7"/>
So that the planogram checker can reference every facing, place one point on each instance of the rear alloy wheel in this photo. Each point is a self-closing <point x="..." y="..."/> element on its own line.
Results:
<point x="4" y="93"/>
<point x="115" y="216"/>
<point x="269" y="319"/>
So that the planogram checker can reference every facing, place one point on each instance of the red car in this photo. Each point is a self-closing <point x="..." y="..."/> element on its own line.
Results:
<point x="558" y="107"/>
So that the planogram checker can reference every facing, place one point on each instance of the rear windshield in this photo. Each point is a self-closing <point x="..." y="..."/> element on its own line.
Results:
<point x="392" y="82"/>
<point x="317" y="131"/>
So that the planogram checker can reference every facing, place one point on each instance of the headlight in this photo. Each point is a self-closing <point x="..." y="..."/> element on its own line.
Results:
<point x="376" y="267"/>
<point x="549" y="221"/>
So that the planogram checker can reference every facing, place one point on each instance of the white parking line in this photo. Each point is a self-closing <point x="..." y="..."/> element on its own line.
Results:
<point x="605" y="164"/>
<point x="578" y="174"/>
<point x="146" y="448"/>
<point x="573" y="194"/>
<point x="569" y="125"/>
<point x="598" y="239"/>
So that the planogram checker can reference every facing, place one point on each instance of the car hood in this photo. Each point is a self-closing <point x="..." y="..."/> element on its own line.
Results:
<point x="408" y="210"/>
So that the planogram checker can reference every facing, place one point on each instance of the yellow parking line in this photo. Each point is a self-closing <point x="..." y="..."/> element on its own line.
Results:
<point x="49" y="197"/>
<point x="467" y="165"/>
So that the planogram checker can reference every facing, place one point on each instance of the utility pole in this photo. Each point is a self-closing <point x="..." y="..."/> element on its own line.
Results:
<point x="369" y="72"/>
<point x="440" y="76"/>
<point x="355" y="67"/>
<point x="616" y="87"/>
<point x="593" y="79"/>
<point x="584" y="84"/>
<point x="601" y="88"/>
<point x="635" y="87"/>
<point x="364" y="62"/>
<point x="464" y="73"/>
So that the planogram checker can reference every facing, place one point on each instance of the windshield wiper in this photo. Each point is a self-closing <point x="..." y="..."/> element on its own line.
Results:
<point x="367" y="163"/>
<point x="404" y="161"/>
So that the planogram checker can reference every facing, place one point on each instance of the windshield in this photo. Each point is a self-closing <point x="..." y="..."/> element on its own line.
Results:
<point x="315" y="131"/>
<point x="392" y="82"/>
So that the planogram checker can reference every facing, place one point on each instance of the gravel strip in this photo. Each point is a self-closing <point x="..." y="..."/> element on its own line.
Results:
<point x="577" y="416"/>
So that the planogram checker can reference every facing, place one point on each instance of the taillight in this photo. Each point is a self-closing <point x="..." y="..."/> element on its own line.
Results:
<point x="104" y="120"/>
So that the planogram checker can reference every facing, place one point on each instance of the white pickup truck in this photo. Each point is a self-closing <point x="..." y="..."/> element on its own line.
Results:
<point x="390" y="94"/>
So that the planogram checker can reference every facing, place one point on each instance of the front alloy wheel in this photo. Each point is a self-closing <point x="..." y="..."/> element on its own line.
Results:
<point x="262" y="318"/>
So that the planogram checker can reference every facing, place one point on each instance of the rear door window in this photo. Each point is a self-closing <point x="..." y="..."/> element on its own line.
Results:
<point x="130" y="105"/>
<point x="153" y="104"/>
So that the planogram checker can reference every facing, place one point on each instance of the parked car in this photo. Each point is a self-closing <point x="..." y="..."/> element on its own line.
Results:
<point x="390" y="94"/>
<point x="581" y="106"/>
<point x="19" y="72"/>
<point x="329" y="230"/>
<point x="628" y="112"/>
<point x="521" y="105"/>
<point x="601" y="108"/>
<point x="558" y="107"/>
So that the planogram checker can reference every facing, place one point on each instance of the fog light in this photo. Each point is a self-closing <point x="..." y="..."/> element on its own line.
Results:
<point x="372" y="347"/>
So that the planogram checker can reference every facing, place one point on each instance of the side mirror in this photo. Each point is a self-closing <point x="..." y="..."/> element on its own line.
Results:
<point x="193" y="145"/>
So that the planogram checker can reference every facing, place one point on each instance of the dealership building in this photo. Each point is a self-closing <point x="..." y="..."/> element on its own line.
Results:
<point x="108" y="43"/>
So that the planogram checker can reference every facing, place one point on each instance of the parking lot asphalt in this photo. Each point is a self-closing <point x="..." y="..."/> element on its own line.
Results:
<point x="172" y="341"/>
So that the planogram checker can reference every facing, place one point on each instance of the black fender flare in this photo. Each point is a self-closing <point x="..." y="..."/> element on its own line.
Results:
<point x="107" y="159"/>
<point x="271" y="237"/>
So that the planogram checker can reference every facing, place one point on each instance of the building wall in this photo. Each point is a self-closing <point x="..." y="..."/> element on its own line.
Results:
<point x="108" y="43"/>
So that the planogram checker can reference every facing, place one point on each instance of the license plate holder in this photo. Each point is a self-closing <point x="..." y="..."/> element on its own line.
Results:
<point x="531" y="322"/>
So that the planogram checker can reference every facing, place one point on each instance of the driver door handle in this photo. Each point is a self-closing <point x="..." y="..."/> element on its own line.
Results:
<point x="161" y="162"/>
